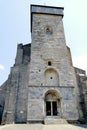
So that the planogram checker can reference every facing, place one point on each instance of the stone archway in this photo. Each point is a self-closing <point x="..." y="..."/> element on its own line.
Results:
<point x="53" y="103"/>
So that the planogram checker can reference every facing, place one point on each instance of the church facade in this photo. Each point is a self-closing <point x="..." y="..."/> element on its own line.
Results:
<point x="43" y="84"/>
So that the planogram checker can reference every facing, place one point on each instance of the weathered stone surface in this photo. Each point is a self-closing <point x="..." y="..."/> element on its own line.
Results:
<point x="55" y="121"/>
<point x="43" y="82"/>
<point x="47" y="10"/>
<point x="37" y="104"/>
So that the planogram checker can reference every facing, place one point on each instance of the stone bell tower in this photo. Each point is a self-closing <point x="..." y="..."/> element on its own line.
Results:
<point x="52" y="82"/>
<point x="48" y="49"/>
<point x="41" y="86"/>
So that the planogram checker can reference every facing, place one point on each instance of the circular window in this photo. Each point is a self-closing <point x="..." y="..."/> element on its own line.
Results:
<point x="48" y="30"/>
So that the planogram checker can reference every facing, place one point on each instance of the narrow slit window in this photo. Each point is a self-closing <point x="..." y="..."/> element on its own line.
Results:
<point x="49" y="63"/>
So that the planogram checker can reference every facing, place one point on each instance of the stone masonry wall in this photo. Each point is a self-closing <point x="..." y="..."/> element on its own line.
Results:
<point x="36" y="106"/>
<point x="15" y="109"/>
<point x="49" y="47"/>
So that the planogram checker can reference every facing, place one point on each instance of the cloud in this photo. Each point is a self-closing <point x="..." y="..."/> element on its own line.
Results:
<point x="2" y="67"/>
<point x="80" y="62"/>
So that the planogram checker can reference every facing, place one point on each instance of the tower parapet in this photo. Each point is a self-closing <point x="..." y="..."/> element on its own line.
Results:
<point x="46" y="10"/>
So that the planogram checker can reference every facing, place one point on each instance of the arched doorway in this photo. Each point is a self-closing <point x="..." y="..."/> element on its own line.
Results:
<point x="53" y="103"/>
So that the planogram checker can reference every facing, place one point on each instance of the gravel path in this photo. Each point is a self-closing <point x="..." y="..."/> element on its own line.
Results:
<point x="42" y="127"/>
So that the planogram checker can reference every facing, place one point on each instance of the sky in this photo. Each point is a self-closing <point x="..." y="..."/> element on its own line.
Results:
<point x="15" y="29"/>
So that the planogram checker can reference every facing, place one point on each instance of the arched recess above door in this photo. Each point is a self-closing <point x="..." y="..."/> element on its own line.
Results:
<point x="51" y="77"/>
<point x="53" y="93"/>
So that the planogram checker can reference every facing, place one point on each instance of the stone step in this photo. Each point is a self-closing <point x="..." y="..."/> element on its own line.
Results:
<point x="55" y="121"/>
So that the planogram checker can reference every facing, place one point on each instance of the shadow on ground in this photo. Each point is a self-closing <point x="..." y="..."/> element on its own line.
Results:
<point x="81" y="125"/>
